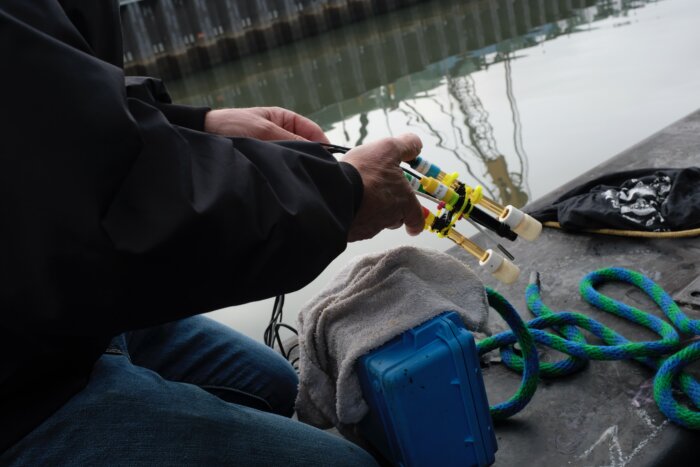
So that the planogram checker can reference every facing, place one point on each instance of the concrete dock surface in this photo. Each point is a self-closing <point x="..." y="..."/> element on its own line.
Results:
<point x="605" y="414"/>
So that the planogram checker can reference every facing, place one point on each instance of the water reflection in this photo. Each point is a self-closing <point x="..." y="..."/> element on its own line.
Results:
<point x="314" y="73"/>
<point x="569" y="89"/>
<point x="405" y="67"/>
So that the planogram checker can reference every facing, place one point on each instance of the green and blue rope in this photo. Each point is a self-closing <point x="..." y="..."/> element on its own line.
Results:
<point x="666" y="354"/>
<point x="531" y="368"/>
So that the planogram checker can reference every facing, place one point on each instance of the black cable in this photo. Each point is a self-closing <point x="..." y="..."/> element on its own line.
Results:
<point x="275" y="318"/>
<point x="501" y="228"/>
<point x="278" y="339"/>
<point x="411" y="172"/>
<point x="291" y="349"/>
<point x="286" y="326"/>
<point x="272" y="337"/>
<point x="334" y="148"/>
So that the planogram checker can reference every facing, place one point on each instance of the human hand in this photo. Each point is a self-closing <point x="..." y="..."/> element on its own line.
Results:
<point x="265" y="123"/>
<point x="388" y="200"/>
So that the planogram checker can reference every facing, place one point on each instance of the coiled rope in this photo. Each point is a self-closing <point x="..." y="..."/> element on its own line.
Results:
<point x="669" y="355"/>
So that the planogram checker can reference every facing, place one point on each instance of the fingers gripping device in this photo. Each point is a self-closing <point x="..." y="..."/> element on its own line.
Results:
<point x="456" y="201"/>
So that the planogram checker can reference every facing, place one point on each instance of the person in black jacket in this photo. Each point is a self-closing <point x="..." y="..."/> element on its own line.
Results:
<point x="123" y="217"/>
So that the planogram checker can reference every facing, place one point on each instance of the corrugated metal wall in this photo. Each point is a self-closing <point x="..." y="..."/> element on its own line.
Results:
<point x="177" y="36"/>
<point x="354" y="60"/>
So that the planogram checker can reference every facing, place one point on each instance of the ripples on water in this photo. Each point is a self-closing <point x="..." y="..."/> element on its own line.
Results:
<point x="517" y="96"/>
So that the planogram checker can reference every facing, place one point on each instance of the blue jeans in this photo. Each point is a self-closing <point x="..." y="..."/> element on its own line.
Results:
<point x="192" y="392"/>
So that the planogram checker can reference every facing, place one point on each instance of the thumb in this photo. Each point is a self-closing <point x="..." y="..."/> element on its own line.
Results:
<point x="409" y="146"/>
<point x="413" y="216"/>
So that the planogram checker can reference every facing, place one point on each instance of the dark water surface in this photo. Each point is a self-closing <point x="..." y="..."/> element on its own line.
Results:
<point x="518" y="96"/>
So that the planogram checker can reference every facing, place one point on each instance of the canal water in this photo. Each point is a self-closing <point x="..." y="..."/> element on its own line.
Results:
<point x="518" y="96"/>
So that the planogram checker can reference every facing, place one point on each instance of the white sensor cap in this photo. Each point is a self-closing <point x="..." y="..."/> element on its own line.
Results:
<point x="500" y="268"/>
<point x="522" y="224"/>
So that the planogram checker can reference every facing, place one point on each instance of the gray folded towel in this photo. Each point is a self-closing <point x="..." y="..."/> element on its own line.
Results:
<point x="374" y="299"/>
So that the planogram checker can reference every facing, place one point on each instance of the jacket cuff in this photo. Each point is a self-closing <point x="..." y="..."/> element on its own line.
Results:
<point x="184" y="115"/>
<point x="356" y="180"/>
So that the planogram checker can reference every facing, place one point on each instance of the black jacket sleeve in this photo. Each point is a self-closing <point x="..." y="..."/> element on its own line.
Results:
<point x="153" y="92"/>
<point x="114" y="218"/>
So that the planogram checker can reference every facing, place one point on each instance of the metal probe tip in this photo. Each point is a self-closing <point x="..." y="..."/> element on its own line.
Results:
<point x="535" y="279"/>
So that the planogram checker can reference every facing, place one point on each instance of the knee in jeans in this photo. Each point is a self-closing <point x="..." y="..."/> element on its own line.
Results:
<point x="285" y="385"/>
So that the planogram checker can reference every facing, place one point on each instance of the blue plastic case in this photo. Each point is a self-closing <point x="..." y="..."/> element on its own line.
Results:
<point x="427" y="400"/>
